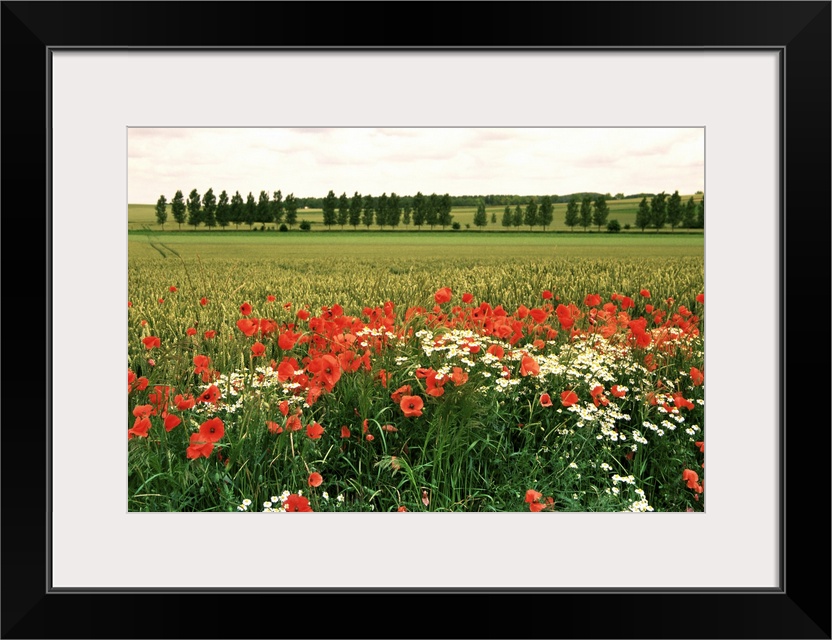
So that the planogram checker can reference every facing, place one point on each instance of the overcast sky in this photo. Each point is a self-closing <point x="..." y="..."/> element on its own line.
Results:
<point x="459" y="161"/>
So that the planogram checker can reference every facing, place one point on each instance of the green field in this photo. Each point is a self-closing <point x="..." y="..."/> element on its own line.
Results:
<point x="143" y="215"/>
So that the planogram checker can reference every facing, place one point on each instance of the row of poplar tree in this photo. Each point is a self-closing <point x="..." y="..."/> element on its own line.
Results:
<point x="432" y="210"/>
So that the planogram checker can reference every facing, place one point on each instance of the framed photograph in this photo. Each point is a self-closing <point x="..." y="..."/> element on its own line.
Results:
<point x="84" y="80"/>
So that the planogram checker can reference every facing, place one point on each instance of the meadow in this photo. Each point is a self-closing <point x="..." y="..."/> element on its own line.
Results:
<point x="383" y="371"/>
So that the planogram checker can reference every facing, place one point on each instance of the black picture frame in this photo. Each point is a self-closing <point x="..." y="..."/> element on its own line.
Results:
<point x="799" y="31"/>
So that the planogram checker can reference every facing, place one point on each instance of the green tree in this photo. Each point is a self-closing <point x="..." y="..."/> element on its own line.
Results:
<point x="330" y="204"/>
<point x="674" y="210"/>
<point x="586" y="211"/>
<point x="432" y="210"/>
<point x="602" y="211"/>
<point x="614" y="226"/>
<point x="356" y="204"/>
<point x="209" y="209"/>
<point x="507" y="220"/>
<point x="689" y="216"/>
<point x="394" y="210"/>
<point x="419" y="209"/>
<point x="700" y="214"/>
<point x="277" y="207"/>
<point x="480" y="217"/>
<point x="517" y="219"/>
<point x="407" y="209"/>
<point x="162" y="210"/>
<point x="343" y="209"/>
<point x="444" y="217"/>
<point x="223" y="211"/>
<point x="381" y="210"/>
<point x="546" y="213"/>
<point x="264" y="214"/>
<point x="237" y="209"/>
<point x="194" y="209"/>
<point x="571" y="218"/>
<point x="177" y="208"/>
<point x="369" y="211"/>
<point x="250" y="210"/>
<point x="530" y="216"/>
<point x="643" y="214"/>
<point x="290" y="207"/>
<point x="658" y="210"/>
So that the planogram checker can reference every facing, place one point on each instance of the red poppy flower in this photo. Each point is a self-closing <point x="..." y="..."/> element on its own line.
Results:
<point x="314" y="431"/>
<point x="212" y="430"/>
<point x="529" y="366"/>
<point x="545" y="400"/>
<point x="401" y="508"/>
<point x="696" y="376"/>
<point x="129" y="304"/>
<point x="592" y="300"/>
<point x="327" y="369"/>
<point x="568" y="398"/>
<point x="248" y="326"/>
<point x="435" y="384"/>
<point x="183" y="403"/>
<point x="203" y="301"/>
<point x="700" y="298"/>
<point x="245" y="309"/>
<point x="533" y="496"/>
<point x="412" y="406"/>
<point x="536" y="507"/>
<point x="345" y="432"/>
<point x="701" y="445"/>
<point x="293" y="423"/>
<point x="172" y="421"/>
<point x="161" y="300"/>
<point x="644" y="293"/>
<point x="296" y="503"/>
<point x="617" y="391"/>
<point x="388" y="427"/>
<point x="399" y="393"/>
<point x="201" y="363"/>
<point x="598" y="396"/>
<point x="190" y="331"/>
<point x="139" y="429"/>
<point x="315" y="479"/>
<point x="211" y="394"/>
<point x="258" y="349"/>
<point x="151" y="341"/>
<point x="458" y="376"/>
<point x="627" y="303"/>
<point x="303" y="314"/>
<point x="443" y="295"/>
<point x="199" y="447"/>
<point x="172" y="289"/>
<point x="270" y="298"/>
<point x="547" y="295"/>
<point x="496" y="350"/>
<point x="467" y="297"/>
<point x="210" y="335"/>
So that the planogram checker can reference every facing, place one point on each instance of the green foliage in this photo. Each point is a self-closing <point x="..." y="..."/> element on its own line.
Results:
<point x="250" y="210"/>
<point x="329" y="207"/>
<point x="305" y="225"/>
<point x="674" y="210"/>
<point x="223" y="210"/>
<point x="546" y="212"/>
<point x="277" y="207"/>
<point x="599" y="215"/>
<point x="209" y="209"/>
<point x="356" y="204"/>
<point x="571" y="219"/>
<point x="643" y="214"/>
<point x="508" y="219"/>
<point x="530" y="215"/>
<point x="480" y="217"/>
<point x="343" y="210"/>
<point x="161" y="211"/>
<point x="194" y="209"/>
<point x="290" y="208"/>
<point x="658" y="211"/>
<point x="264" y="213"/>
<point x="586" y="211"/>
<point x="613" y="226"/>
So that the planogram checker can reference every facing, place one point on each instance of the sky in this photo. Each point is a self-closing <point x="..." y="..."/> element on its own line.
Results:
<point x="309" y="162"/>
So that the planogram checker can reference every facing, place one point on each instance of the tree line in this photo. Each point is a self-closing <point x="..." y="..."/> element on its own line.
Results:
<point x="421" y="210"/>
